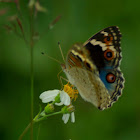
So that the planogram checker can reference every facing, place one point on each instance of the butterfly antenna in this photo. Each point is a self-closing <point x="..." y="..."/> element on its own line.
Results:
<point x="51" y="58"/>
<point x="61" y="52"/>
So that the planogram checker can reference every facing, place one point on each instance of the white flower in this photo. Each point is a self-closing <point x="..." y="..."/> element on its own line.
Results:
<point x="50" y="95"/>
<point x="65" y="117"/>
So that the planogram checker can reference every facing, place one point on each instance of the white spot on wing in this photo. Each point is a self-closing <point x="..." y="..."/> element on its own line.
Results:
<point x="105" y="33"/>
<point x="115" y="37"/>
<point x="103" y="45"/>
<point x="94" y="42"/>
<point x="112" y="48"/>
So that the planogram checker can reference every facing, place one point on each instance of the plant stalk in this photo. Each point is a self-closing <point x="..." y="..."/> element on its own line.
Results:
<point x="32" y="66"/>
<point x="35" y="120"/>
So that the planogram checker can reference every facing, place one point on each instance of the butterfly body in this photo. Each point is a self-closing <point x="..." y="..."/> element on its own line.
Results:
<point x="93" y="67"/>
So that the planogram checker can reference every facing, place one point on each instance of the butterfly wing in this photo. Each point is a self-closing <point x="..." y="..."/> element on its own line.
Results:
<point x="93" y="67"/>
<point x="105" y="52"/>
<point x="114" y="81"/>
<point x="82" y="73"/>
<point x="104" y="47"/>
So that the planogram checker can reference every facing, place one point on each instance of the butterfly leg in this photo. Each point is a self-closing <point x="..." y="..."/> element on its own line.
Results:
<point x="60" y="78"/>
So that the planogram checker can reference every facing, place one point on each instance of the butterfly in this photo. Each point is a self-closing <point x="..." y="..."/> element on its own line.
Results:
<point x="94" y="68"/>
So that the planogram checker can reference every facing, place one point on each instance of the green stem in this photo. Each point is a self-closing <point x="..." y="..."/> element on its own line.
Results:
<point x="38" y="132"/>
<point x="32" y="67"/>
<point x="24" y="132"/>
<point x="35" y="120"/>
<point x="44" y="117"/>
<point x="32" y="91"/>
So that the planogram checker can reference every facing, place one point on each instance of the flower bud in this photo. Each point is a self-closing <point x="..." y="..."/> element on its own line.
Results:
<point x="71" y="108"/>
<point x="31" y="3"/>
<point x="68" y="109"/>
<point x="39" y="7"/>
<point x="49" y="108"/>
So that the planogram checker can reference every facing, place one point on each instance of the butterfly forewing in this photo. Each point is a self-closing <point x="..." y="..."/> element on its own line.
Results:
<point x="104" y="47"/>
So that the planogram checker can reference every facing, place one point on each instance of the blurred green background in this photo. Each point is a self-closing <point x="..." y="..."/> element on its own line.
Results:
<point x="80" y="20"/>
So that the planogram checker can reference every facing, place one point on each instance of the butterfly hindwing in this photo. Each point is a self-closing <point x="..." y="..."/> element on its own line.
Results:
<point x="114" y="81"/>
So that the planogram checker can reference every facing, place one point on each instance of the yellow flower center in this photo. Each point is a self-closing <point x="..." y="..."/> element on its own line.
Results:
<point x="69" y="89"/>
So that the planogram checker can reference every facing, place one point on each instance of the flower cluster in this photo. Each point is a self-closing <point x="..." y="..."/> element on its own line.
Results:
<point x="61" y="98"/>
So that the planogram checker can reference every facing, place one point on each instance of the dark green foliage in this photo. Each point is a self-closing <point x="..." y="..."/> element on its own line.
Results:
<point x="80" y="20"/>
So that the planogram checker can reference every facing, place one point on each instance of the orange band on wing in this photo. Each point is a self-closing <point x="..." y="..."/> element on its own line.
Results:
<point x="73" y="61"/>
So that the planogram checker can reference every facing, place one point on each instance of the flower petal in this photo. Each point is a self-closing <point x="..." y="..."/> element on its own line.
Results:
<point x="65" y="117"/>
<point x="49" y="95"/>
<point x="72" y="117"/>
<point x="59" y="104"/>
<point x="64" y="97"/>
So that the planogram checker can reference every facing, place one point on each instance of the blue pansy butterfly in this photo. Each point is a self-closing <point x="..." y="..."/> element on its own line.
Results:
<point x="94" y="68"/>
